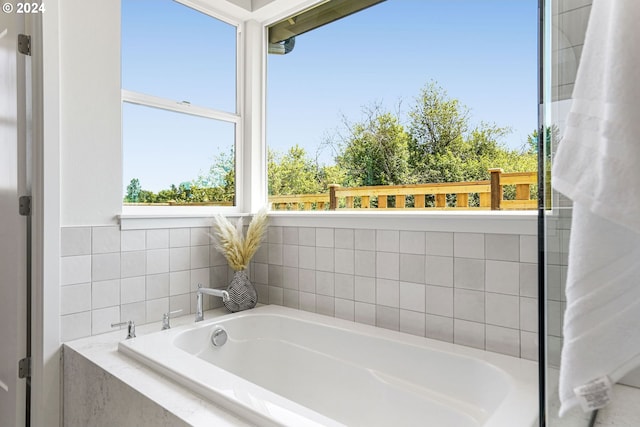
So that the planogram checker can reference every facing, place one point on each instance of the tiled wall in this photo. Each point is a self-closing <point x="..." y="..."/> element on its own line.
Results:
<point x="469" y="288"/>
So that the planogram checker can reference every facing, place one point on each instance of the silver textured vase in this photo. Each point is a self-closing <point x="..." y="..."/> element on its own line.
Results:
<point x="242" y="294"/>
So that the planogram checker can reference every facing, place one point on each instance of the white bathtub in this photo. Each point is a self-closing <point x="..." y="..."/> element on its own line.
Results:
<point x="284" y="367"/>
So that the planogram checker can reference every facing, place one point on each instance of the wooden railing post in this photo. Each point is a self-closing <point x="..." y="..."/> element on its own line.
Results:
<point x="496" y="188"/>
<point x="333" y="202"/>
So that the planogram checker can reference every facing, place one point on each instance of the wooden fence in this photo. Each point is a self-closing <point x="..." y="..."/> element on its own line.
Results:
<point x="490" y="195"/>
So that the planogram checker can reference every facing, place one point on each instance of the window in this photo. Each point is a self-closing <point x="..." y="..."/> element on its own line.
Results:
<point x="404" y="104"/>
<point x="179" y="105"/>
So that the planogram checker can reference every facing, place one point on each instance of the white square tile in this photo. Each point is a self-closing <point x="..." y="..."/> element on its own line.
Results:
<point x="75" y="298"/>
<point x="387" y="292"/>
<point x="365" y="263"/>
<point x="103" y="318"/>
<point x="75" y="269"/>
<point x="105" y="240"/>
<point x="157" y="286"/>
<point x="468" y="273"/>
<point x="199" y="256"/>
<point x="529" y="280"/>
<point x="157" y="239"/>
<point x="132" y="263"/>
<point x="179" y="259"/>
<point x="180" y="237"/>
<point x="75" y="241"/>
<point x="469" y="305"/>
<point x="307" y="281"/>
<point x="412" y="323"/>
<point x="307" y="257"/>
<point x="554" y="283"/>
<point x="105" y="294"/>
<point x="105" y="266"/>
<point x="365" y="313"/>
<point x="344" y="238"/>
<point x="157" y="260"/>
<point x="290" y="255"/>
<point x="503" y="310"/>
<point x="412" y="268"/>
<point x="502" y="247"/>
<point x="468" y="245"/>
<point x="216" y="258"/>
<point x="276" y="295"/>
<point x="529" y="314"/>
<point x="387" y="265"/>
<point x="324" y="259"/>
<point x="344" y="309"/>
<point x="412" y="297"/>
<point x="180" y="282"/>
<point x="365" y="289"/>
<point x="290" y="278"/>
<point x="325" y="305"/>
<point x="275" y="254"/>
<point x="388" y="317"/>
<point x="439" y="300"/>
<point x="261" y="273"/>
<point x="307" y="302"/>
<point x="439" y="328"/>
<point x="412" y="242"/>
<point x="290" y="236"/>
<point x="275" y="235"/>
<point x="344" y="261"/>
<point x="306" y="236"/>
<point x="502" y="277"/>
<point x="529" y="249"/>
<point x="503" y="340"/>
<point x="218" y="277"/>
<point x="132" y="289"/>
<point x="555" y="318"/>
<point x="135" y="312"/>
<point x="156" y="308"/>
<point x="439" y="270"/>
<point x="291" y="298"/>
<point x="439" y="243"/>
<point x="199" y="236"/>
<point x="133" y="240"/>
<point x="344" y="285"/>
<point x="181" y="303"/>
<point x="365" y="239"/>
<point x="529" y="345"/>
<point x="201" y="276"/>
<point x="275" y="275"/>
<point x="324" y="237"/>
<point x="388" y="240"/>
<point x="75" y="326"/>
<point x="324" y="283"/>
<point x="467" y="333"/>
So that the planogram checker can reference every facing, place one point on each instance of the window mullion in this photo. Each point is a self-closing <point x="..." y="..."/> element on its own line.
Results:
<point x="177" y="106"/>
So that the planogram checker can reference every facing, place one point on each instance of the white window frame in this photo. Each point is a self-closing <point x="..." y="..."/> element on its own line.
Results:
<point x="135" y="216"/>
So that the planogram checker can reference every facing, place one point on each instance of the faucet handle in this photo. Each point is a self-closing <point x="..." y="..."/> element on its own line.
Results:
<point x="131" y="328"/>
<point x="165" y="318"/>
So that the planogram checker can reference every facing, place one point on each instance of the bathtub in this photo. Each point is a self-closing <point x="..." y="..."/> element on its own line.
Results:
<point x="285" y="367"/>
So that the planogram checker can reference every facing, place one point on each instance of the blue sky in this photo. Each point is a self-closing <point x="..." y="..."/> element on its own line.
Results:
<point x="482" y="52"/>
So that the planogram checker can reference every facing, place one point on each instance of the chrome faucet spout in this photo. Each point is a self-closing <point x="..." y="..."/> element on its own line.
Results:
<point x="221" y="293"/>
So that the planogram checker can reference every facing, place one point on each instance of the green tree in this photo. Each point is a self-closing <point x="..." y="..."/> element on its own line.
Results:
<point x="133" y="191"/>
<point x="292" y="172"/>
<point x="375" y="150"/>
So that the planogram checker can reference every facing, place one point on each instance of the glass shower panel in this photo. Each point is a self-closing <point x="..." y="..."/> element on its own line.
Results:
<point x="565" y="24"/>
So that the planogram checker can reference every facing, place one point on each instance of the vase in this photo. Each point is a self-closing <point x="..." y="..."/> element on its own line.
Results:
<point x="242" y="294"/>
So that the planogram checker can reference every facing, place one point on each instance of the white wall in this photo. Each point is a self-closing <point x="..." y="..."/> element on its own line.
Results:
<point x="90" y="118"/>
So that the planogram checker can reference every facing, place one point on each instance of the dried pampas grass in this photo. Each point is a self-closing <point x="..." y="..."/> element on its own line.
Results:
<point x="237" y="249"/>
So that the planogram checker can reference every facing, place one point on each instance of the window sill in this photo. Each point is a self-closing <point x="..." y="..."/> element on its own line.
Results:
<point x="502" y="222"/>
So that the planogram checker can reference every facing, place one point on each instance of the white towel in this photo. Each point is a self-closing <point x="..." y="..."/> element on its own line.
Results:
<point x="598" y="166"/>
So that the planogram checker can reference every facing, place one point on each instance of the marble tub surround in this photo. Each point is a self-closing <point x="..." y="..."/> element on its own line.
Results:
<point x="102" y="387"/>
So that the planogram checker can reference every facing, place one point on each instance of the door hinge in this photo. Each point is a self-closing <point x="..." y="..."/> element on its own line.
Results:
<point x="24" y="368"/>
<point x="24" y="44"/>
<point x="24" y="205"/>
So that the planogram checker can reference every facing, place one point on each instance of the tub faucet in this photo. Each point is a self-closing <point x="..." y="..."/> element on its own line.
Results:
<point x="208" y="291"/>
